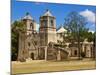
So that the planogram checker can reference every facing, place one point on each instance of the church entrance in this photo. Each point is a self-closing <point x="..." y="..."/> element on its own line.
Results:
<point x="32" y="56"/>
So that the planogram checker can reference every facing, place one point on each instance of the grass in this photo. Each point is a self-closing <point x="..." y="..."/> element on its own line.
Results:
<point x="50" y="66"/>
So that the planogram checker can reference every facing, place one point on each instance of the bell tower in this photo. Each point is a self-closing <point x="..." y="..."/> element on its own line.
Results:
<point x="30" y="24"/>
<point x="24" y="38"/>
<point x="47" y="28"/>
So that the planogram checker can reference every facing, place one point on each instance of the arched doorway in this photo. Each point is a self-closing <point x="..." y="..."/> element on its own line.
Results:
<point x="32" y="56"/>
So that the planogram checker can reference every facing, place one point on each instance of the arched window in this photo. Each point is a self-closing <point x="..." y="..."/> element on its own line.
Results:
<point x="44" y="23"/>
<point x="31" y="26"/>
<point x="51" y="22"/>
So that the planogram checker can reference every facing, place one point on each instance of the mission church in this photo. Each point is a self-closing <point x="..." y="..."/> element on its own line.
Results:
<point x="40" y="45"/>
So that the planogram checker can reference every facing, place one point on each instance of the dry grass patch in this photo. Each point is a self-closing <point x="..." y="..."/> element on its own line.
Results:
<point x="49" y="66"/>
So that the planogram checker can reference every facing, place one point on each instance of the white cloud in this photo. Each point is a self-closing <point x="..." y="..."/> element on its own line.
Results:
<point x="91" y="31"/>
<point x="89" y="15"/>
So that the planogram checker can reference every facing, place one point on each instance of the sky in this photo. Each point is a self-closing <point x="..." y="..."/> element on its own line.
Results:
<point x="60" y="11"/>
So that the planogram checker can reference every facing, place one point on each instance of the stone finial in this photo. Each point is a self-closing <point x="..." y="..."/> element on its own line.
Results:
<point x="47" y="10"/>
<point x="47" y="13"/>
<point x="27" y="13"/>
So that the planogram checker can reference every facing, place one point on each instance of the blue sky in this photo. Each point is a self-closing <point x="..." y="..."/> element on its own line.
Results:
<point x="60" y="11"/>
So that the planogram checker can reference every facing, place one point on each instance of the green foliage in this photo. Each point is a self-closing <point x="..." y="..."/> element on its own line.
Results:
<point x="91" y="36"/>
<point x="14" y="45"/>
<point x="16" y="27"/>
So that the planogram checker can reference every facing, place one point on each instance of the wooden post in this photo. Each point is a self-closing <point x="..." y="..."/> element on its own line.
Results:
<point x="59" y="55"/>
<point x="82" y="47"/>
<point x="45" y="53"/>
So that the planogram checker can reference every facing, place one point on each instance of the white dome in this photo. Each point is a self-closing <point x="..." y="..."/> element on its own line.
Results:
<point x="47" y="13"/>
<point x="27" y="16"/>
<point x="61" y="30"/>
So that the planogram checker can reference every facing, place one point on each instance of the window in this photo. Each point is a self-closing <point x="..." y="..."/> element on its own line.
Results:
<point x="45" y="23"/>
<point x="31" y="26"/>
<point x="51" y="22"/>
<point x="29" y="44"/>
<point x="23" y="52"/>
<point x="75" y="52"/>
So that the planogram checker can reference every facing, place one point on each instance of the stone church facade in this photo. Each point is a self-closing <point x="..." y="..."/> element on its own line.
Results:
<point x="39" y="45"/>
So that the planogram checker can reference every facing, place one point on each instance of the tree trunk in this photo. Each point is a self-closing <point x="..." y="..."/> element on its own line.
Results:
<point x="79" y="47"/>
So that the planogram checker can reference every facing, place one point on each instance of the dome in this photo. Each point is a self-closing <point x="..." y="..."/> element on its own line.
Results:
<point x="28" y="16"/>
<point x="47" y="13"/>
<point x="61" y="30"/>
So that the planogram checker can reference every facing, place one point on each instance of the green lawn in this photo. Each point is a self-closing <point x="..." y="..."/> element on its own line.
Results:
<point x="50" y="66"/>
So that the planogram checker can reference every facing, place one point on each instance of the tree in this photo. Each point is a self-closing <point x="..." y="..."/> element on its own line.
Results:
<point x="14" y="45"/>
<point x="75" y="24"/>
<point x="91" y="36"/>
<point x="16" y="27"/>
